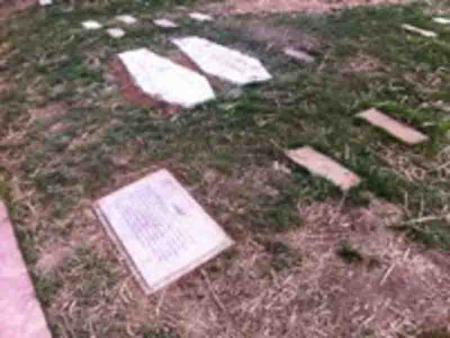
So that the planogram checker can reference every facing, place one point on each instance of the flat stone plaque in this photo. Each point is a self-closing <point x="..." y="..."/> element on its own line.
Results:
<point x="442" y="20"/>
<point x="324" y="166"/>
<point x="223" y="62"/>
<point x="397" y="129"/>
<point x="91" y="25"/>
<point x="200" y="17"/>
<point x="161" y="228"/>
<point x="165" y="23"/>
<point x="126" y="19"/>
<point x="165" y="80"/>
<point x="420" y="31"/>
<point x="21" y="315"/>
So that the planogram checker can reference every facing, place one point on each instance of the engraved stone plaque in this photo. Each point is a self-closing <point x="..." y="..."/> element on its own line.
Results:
<point x="163" y="231"/>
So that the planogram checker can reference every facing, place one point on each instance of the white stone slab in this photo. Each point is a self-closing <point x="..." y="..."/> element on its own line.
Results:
<point x="165" y="23"/>
<point x="324" y="166"/>
<point x="201" y="17"/>
<point x="126" y="19"/>
<point x="222" y="62"/>
<point x="45" y="2"/>
<point x="162" y="229"/>
<point x="299" y="55"/>
<point x="442" y="20"/>
<point x="116" y="33"/>
<point x="393" y="127"/>
<point x="420" y="31"/>
<point x="91" y="25"/>
<point x="163" y="79"/>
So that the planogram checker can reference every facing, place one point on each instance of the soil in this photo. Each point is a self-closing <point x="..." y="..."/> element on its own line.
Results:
<point x="10" y="7"/>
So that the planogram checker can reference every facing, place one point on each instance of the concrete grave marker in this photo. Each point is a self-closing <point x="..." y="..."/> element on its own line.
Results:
<point x="298" y="55"/>
<point x="126" y="19"/>
<point x="324" y="166"/>
<point x="165" y="23"/>
<point x="45" y="2"/>
<point x="222" y="62"/>
<point x="423" y="32"/>
<point x="116" y="33"/>
<point x="21" y="315"/>
<point x="397" y="129"/>
<point x="92" y="25"/>
<point x="161" y="228"/>
<point x="200" y="17"/>
<point x="442" y="20"/>
<point x="165" y="80"/>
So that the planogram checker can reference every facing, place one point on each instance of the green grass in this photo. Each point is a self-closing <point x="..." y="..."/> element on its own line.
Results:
<point x="238" y="138"/>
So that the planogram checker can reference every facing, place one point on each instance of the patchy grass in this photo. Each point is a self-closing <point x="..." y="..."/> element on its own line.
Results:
<point x="228" y="152"/>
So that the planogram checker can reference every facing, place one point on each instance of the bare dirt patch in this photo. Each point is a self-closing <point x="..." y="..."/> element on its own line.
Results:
<point x="9" y="7"/>
<point x="281" y="6"/>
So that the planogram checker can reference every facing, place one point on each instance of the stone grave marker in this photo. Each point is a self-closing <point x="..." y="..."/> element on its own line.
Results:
<point x="91" y="25"/>
<point x="165" y="23"/>
<point x="321" y="165"/>
<point x="222" y="62"/>
<point x="393" y="127"/>
<point x="420" y="31"/>
<point x="298" y="55"/>
<point x="442" y="20"/>
<point x="116" y="33"/>
<point x="21" y="315"/>
<point x="162" y="79"/>
<point x="126" y="19"/>
<point x="200" y="17"/>
<point x="162" y="230"/>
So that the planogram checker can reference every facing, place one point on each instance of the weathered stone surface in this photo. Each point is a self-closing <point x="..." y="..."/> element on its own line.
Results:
<point x="45" y="2"/>
<point x="126" y="19"/>
<point x="163" y="231"/>
<point x="91" y="25"/>
<point x="222" y="62"/>
<point x="423" y="32"/>
<point x="299" y="55"/>
<point x="165" y="80"/>
<point x="442" y="20"/>
<point x="116" y="33"/>
<point x="201" y="17"/>
<point x="397" y="129"/>
<point x="165" y="23"/>
<point x="324" y="166"/>
<point x="21" y="315"/>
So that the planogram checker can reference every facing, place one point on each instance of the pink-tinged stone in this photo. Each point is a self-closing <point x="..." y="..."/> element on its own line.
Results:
<point x="397" y="129"/>
<point x="324" y="166"/>
<point x="21" y="315"/>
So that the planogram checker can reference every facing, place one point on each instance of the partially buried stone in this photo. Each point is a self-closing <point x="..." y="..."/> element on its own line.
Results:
<point x="200" y="17"/>
<point x="162" y="79"/>
<point x="420" y="31"/>
<point x="442" y="20"/>
<point x="324" y="166"/>
<point x="116" y="33"/>
<point x="164" y="232"/>
<point x="91" y="25"/>
<point x="223" y="62"/>
<point x="126" y="19"/>
<point x="299" y="55"/>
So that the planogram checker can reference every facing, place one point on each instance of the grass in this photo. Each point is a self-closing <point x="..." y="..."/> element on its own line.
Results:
<point x="102" y="142"/>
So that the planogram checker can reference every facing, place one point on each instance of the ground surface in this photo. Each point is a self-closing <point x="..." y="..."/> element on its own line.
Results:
<point x="309" y="262"/>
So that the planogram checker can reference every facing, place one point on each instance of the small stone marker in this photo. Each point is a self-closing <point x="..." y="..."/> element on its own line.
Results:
<point x="397" y="129"/>
<point x="21" y="315"/>
<point x="116" y="33"/>
<point x="92" y="25"/>
<point x="200" y="17"/>
<point x="45" y="2"/>
<point x="126" y="19"/>
<point x="442" y="20"/>
<point x="165" y="23"/>
<point x="161" y="228"/>
<point x="324" y="166"/>
<point x="163" y="79"/>
<point x="222" y="62"/>
<point x="423" y="32"/>
<point x="298" y="55"/>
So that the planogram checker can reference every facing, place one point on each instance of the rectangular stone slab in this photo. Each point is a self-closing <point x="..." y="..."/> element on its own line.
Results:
<point x="397" y="129"/>
<point x="21" y="315"/>
<point x="420" y="31"/>
<point x="324" y="166"/>
<point x="165" y="80"/>
<point x="222" y="62"/>
<point x="161" y="228"/>
<point x="442" y="20"/>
